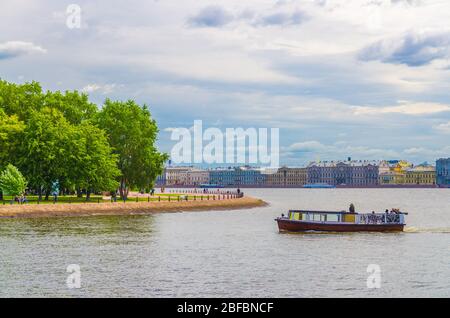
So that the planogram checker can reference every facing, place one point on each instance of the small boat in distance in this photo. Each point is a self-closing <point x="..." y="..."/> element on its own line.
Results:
<point x="329" y="221"/>
<point x="319" y="186"/>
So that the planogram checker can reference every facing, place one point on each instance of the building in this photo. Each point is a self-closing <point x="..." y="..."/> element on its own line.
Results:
<point x="196" y="177"/>
<point x="287" y="177"/>
<point x="423" y="174"/>
<point x="237" y="176"/>
<point x="161" y="179"/>
<point x="393" y="172"/>
<point x="176" y="175"/>
<point x="349" y="173"/>
<point x="443" y="172"/>
<point x="392" y="178"/>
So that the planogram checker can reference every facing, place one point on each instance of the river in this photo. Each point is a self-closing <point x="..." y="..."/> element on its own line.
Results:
<point x="234" y="253"/>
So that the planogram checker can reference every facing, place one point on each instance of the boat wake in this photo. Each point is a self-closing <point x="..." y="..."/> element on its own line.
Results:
<point x="413" y="229"/>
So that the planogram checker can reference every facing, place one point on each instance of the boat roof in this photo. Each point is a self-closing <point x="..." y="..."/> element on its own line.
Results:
<point x="331" y="212"/>
<point x="324" y="212"/>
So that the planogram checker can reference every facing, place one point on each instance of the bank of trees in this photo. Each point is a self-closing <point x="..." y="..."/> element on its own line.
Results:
<point x="63" y="137"/>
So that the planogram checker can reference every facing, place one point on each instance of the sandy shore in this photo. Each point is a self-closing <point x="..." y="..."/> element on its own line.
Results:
<point x="129" y="208"/>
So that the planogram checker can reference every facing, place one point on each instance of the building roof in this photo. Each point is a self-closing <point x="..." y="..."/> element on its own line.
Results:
<point x="352" y="163"/>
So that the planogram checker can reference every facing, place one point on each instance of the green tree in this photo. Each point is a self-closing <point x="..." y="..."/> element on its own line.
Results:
<point x="132" y="133"/>
<point x="12" y="182"/>
<point x="45" y="149"/>
<point x="11" y="130"/>
<point x="74" y="106"/>
<point x="92" y="166"/>
<point x="20" y="100"/>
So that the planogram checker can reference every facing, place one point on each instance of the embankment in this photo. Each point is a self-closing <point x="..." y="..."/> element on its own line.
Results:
<point x="129" y="208"/>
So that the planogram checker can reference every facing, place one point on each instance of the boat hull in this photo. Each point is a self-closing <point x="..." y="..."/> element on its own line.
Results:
<point x="286" y="225"/>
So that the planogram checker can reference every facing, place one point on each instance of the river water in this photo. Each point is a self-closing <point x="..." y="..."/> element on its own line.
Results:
<point x="234" y="253"/>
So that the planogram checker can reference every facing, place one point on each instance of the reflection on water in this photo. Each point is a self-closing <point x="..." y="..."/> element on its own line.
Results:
<point x="233" y="253"/>
<point x="93" y="226"/>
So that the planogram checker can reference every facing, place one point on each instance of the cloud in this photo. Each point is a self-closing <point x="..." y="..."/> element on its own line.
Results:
<point x="216" y="16"/>
<point x="282" y="19"/>
<point x="253" y="63"/>
<point x="445" y="127"/>
<point x="13" y="49"/>
<point x="212" y="16"/>
<point x="104" y="89"/>
<point x="336" y="151"/>
<point x="306" y="146"/>
<point x="412" y="49"/>
<point x="422" y="152"/>
<point x="406" y="108"/>
<point x="314" y="150"/>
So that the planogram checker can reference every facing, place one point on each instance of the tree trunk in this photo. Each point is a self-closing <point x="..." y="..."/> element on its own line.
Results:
<point x="88" y="195"/>
<point x="40" y="194"/>
<point x="1" y="195"/>
<point x="123" y="190"/>
<point x="79" y="193"/>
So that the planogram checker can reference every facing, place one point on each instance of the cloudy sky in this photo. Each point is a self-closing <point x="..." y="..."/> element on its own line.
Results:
<point x="368" y="79"/>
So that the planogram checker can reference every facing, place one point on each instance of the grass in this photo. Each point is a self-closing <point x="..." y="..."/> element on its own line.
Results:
<point x="33" y="199"/>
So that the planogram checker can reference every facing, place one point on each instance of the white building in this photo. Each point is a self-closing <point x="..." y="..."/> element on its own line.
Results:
<point x="176" y="175"/>
<point x="187" y="176"/>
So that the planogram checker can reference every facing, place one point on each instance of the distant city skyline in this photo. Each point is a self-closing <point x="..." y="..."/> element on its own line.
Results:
<point x="360" y="78"/>
<point x="347" y="173"/>
<point x="303" y="164"/>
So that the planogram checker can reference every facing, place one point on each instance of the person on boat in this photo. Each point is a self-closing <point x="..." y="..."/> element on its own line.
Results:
<point x="352" y="208"/>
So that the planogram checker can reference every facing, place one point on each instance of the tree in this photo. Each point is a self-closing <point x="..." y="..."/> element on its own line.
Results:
<point x="12" y="182"/>
<point x="132" y="133"/>
<point x="20" y="100"/>
<point x="92" y="166"/>
<point x="45" y="149"/>
<point x="11" y="130"/>
<point x="74" y="106"/>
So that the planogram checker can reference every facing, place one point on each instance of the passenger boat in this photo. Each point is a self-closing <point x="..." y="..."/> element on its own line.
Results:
<point x="328" y="221"/>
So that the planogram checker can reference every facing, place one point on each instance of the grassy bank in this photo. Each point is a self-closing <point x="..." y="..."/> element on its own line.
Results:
<point x="128" y="208"/>
<point x="73" y="199"/>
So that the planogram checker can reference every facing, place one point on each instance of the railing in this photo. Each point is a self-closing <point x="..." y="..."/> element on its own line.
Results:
<point x="172" y="197"/>
<point x="219" y="193"/>
<point x="380" y="218"/>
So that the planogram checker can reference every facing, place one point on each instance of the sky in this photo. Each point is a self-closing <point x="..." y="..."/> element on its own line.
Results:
<point x="367" y="79"/>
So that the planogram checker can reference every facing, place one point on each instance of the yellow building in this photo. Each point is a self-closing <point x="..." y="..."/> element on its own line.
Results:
<point x="288" y="177"/>
<point x="392" y="177"/>
<point x="393" y="172"/>
<point x="403" y="172"/>
<point x="423" y="175"/>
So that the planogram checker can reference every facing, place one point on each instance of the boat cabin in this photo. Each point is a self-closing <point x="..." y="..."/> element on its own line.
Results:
<point x="345" y="217"/>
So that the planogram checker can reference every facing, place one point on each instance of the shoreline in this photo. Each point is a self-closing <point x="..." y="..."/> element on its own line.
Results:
<point x="129" y="208"/>
<point x="387" y="186"/>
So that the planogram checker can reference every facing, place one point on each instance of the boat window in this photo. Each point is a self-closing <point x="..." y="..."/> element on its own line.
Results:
<point x="333" y="217"/>
<point x="316" y="217"/>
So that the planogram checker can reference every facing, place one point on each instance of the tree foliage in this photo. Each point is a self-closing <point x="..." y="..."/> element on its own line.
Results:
<point x="12" y="182"/>
<point x="54" y="136"/>
<point x="132" y="133"/>
<point x="11" y="130"/>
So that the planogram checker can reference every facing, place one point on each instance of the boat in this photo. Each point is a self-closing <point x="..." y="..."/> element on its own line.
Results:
<point x="329" y="221"/>
<point x="319" y="186"/>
